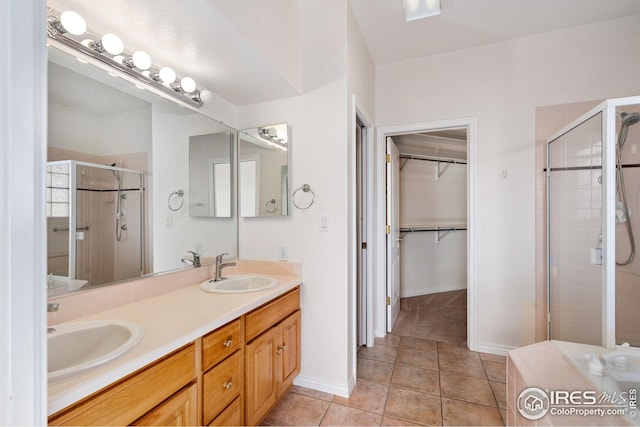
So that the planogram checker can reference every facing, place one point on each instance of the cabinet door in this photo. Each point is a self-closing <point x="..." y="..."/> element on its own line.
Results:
<point x="261" y="380"/>
<point x="288" y="350"/>
<point x="179" y="410"/>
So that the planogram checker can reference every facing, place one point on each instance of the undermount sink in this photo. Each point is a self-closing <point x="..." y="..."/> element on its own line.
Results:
<point x="76" y="347"/>
<point x="239" y="284"/>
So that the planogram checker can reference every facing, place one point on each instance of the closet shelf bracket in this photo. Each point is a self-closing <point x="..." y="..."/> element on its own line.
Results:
<point x="440" y="234"/>
<point x="441" y="171"/>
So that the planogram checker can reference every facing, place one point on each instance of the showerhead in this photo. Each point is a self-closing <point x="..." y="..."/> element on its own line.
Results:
<point x="630" y="119"/>
<point x="627" y="120"/>
<point x="115" y="173"/>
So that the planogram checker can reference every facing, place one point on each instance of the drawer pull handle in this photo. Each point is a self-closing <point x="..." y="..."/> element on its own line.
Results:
<point x="281" y="349"/>
<point x="228" y="342"/>
<point x="228" y="385"/>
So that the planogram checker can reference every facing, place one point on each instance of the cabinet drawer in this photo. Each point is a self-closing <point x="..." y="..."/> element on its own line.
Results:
<point x="179" y="410"/>
<point x="271" y="313"/>
<point x="220" y="343"/>
<point x="231" y="416"/>
<point x="124" y="402"/>
<point x="222" y="385"/>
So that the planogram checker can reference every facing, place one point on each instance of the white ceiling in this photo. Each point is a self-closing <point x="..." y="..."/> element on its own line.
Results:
<point x="249" y="51"/>
<point x="467" y="23"/>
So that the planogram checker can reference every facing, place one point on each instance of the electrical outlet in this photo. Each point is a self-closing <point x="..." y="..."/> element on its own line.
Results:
<point x="284" y="253"/>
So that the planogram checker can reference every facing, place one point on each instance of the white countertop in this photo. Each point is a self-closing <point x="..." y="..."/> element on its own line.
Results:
<point x="170" y="321"/>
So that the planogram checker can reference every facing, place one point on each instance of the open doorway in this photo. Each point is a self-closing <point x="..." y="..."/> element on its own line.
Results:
<point x="427" y="242"/>
<point x="427" y="188"/>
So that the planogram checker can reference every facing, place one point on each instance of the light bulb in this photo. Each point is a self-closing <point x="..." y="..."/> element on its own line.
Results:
<point x="188" y="84"/>
<point x="141" y="60"/>
<point x="167" y="75"/>
<point x="119" y="59"/>
<point x="73" y="22"/>
<point x="112" y="44"/>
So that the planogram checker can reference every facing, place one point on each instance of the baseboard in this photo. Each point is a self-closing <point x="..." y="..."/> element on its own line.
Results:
<point x="419" y="292"/>
<point x="321" y="385"/>
<point x="498" y="349"/>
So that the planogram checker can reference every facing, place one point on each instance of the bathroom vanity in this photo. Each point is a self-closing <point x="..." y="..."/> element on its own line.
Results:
<point x="205" y="359"/>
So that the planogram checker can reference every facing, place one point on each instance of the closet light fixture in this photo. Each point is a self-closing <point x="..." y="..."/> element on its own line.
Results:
<point x="70" y="30"/>
<point x="418" y="9"/>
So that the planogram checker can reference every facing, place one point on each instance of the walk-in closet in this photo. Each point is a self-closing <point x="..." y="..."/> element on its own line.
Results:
<point x="433" y="234"/>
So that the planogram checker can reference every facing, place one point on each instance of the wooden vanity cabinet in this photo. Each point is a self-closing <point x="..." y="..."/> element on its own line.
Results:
<point x="273" y="354"/>
<point x="217" y="380"/>
<point x="179" y="410"/>
<point x="222" y="364"/>
<point x="135" y="396"/>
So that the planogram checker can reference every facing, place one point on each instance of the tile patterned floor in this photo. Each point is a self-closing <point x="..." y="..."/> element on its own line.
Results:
<point x="404" y="381"/>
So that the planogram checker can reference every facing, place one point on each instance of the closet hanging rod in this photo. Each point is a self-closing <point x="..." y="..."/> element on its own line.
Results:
<point x="433" y="228"/>
<point x="441" y="231"/>
<point x="433" y="159"/>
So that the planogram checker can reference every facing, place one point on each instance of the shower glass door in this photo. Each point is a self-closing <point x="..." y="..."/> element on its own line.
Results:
<point x="575" y="221"/>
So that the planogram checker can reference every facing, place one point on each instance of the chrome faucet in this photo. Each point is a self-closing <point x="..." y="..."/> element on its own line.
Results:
<point x="195" y="262"/>
<point x="220" y="265"/>
<point x="51" y="307"/>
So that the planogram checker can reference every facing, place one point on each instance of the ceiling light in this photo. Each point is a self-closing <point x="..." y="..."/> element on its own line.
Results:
<point x="188" y="84"/>
<point x="109" y="43"/>
<point x="73" y="23"/>
<point x="62" y="32"/>
<point x="167" y="75"/>
<point x="112" y="44"/>
<point x="418" y="9"/>
<point x="141" y="60"/>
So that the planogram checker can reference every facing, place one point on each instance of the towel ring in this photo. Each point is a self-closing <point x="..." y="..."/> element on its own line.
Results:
<point x="269" y="204"/>
<point x="175" y="198"/>
<point x="307" y="189"/>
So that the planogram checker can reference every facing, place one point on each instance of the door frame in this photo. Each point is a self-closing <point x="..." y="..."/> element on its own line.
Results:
<point x="471" y="123"/>
<point x="369" y="286"/>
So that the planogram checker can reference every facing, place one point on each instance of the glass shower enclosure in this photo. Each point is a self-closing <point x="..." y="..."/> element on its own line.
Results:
<point x="593" y="222"/>
<point x="95" y="224"/>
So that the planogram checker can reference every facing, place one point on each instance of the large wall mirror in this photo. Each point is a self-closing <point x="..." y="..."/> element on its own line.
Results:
<point x="118" y="193"/>
<point x="264" y="171"/>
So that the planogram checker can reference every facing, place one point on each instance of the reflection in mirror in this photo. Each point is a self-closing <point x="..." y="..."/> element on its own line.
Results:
<point x="105" y="207"/>
<point x="104" y="128"/>
<point x="264" y="171"/>
<point x="211" y="175"/>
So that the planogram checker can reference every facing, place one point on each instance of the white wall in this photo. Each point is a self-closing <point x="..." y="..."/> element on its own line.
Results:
<point x="361" y="99"/>
<point x="502" y="84"/>
<point x="320" y="156"/>
<point x="23" y="80"/>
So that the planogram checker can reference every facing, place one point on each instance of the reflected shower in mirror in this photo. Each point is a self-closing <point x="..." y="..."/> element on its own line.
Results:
<point x="211" y="174"/>
<point x="264" y="171"/>
<point x="104" y="205"/>
<point x="123" y="131"/>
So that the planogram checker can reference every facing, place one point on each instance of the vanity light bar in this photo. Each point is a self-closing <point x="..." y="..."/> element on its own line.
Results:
<point x="67" y="27"/>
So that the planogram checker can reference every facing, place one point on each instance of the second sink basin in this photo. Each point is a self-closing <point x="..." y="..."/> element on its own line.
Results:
<point x="79" y="346"/>
<point x="239" y="284"/>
